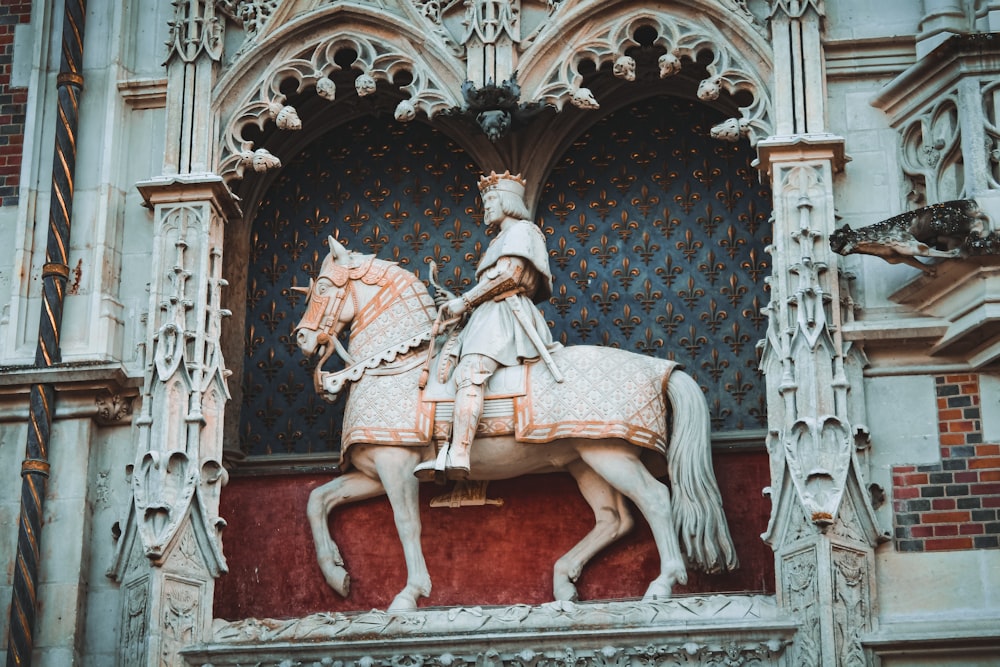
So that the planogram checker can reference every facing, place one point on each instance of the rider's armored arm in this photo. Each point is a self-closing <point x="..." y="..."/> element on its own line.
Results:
<point x="510" y="275"/>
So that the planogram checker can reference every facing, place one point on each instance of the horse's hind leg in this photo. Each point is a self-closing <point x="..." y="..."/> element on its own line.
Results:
<point x="621" y="467"/>
<point x="347" y="488"/>
<point x="611" y="520"/>
<point x="394" y="466"/>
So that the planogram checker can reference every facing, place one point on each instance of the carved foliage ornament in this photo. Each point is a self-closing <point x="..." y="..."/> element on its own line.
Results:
<point x="378" y="61"/>
<point x="818" y="452"/>
<point x="113" y="408"/>
<point x="679" y="37"/>
<point x="436" y="78"/>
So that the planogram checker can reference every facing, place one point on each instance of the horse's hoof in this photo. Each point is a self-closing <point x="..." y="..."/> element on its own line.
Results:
<point x="658" y="590"/>
<point x="407" y="598"/>
<point x="403" y="602"/>
<point x="565" y="592"/>
<point x="338" y="579"/>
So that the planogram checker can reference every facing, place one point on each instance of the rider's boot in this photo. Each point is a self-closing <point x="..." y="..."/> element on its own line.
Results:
<point x="468" y="408"/>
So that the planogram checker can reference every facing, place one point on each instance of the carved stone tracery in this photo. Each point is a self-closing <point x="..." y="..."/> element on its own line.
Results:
<point x="932" y="154"/>
<point x="431" y="90"/>
<point x="547" y="68"/>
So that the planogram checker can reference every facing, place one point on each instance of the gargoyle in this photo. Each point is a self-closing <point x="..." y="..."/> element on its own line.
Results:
<point x="945" y="230"/>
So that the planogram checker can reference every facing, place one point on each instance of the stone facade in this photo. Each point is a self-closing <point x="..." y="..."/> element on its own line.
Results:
<point x="878" y="404"/>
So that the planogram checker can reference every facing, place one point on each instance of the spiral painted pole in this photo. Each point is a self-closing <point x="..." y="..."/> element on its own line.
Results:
<point x="35" y="468"/>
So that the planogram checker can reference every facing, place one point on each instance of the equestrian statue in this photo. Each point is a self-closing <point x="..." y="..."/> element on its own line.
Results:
<point x="430" y="399"/>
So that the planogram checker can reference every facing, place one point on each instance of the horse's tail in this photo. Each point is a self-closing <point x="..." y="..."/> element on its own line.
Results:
<point x="698" y="513"/>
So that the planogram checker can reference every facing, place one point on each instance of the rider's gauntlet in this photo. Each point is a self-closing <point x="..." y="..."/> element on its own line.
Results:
<point x="508" y="276"/>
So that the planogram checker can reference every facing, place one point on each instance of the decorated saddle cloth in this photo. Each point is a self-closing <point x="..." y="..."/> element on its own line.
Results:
<point x="607" y="393"/>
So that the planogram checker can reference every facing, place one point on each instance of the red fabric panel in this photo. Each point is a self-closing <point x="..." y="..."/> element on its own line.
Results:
<point x="476" y="555"/>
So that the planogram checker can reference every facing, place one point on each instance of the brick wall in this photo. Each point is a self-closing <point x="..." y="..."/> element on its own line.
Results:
<point x="12" y="102"/>
<point x="953" y="504"/>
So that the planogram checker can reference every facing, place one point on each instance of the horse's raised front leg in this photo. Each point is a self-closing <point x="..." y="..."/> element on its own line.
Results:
<point x="619" y="464"/>
<point x="394" y="466"/>
<point x="347" y="488"/>
<point x="611" y="521"/>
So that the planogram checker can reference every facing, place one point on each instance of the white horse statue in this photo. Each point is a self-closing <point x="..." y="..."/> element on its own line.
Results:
<point x="596" y="424"/>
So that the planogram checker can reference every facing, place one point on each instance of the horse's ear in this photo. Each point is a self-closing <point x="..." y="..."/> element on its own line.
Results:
<point x="340" y="254"/>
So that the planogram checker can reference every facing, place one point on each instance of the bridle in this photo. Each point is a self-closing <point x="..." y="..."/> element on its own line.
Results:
<point x="324" y="316"/>
<point x="324" y="311"/>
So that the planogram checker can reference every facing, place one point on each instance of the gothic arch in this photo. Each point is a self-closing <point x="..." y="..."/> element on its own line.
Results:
<point x="305" y="51"/>
<point x="602" y="33"/>
<point x="254" y="95"/>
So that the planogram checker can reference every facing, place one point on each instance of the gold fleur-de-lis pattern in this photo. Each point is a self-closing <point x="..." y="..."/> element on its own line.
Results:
<point x="656" y="237"/>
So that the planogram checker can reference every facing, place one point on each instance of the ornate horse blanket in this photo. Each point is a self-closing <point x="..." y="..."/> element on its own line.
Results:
<point x="607" y="393"/>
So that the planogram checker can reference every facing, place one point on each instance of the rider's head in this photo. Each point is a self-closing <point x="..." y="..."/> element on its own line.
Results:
<point x="509" y="189"/>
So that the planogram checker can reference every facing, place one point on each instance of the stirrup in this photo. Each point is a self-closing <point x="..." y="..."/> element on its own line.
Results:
<point x="458" y="467"/>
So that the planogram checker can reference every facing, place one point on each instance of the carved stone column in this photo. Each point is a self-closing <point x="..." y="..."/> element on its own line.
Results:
<point x="822" y="526"/>
<point x="170" y="548"/>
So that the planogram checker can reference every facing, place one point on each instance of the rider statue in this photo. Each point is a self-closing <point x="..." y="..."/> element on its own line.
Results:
<point x="504" y="327"/>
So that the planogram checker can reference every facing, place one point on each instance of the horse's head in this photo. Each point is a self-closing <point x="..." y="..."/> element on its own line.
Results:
<point x="328" y="306"/>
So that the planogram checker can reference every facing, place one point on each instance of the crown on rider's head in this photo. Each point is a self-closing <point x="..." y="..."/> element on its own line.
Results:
<point x="506" y="182"/>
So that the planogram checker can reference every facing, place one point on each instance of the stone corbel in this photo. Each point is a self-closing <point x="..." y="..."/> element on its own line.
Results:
<point x="962" y="298"/>
<point x="104" y="393"/>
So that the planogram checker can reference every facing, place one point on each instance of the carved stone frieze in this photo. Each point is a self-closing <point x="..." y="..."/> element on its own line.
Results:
<point x="705" y="652"/>
<point x="800" y="586"/>
<point x="134" y="623"/>
<point x="709" y="630"/>
<point x="180" y="622"/>
<point x="851" y="600"/>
